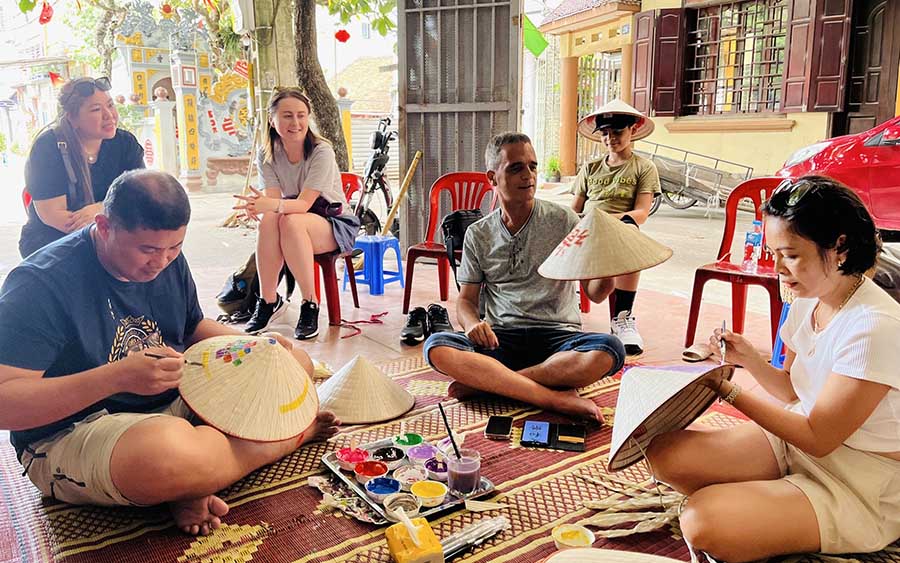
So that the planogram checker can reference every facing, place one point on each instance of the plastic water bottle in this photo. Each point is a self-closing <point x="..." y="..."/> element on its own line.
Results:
<point x="752" y="248"/>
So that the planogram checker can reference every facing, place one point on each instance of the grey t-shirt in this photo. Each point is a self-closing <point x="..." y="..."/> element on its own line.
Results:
<point x="514" y="294"/>
<point x="318" y="172"/>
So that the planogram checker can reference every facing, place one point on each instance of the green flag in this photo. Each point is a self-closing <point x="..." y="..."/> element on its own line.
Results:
<point x="534" y="39"/>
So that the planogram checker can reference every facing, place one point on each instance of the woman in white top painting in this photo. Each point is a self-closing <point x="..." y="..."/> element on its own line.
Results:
<point x="823" y="474"/>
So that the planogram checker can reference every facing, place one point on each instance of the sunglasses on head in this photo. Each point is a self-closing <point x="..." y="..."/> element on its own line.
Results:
<point x="87" y="86"/>
<point x="796" y="190"/>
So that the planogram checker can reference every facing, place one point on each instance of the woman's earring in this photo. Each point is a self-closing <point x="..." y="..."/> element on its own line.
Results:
<point x="840" y="264"/>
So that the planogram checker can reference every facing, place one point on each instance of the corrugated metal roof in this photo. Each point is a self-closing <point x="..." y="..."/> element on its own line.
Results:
<point x="572" y="7"/>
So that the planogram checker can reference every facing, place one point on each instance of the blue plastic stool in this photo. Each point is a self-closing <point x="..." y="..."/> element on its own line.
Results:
<point x="778" y="348"/>
<point x="373" y="273"/>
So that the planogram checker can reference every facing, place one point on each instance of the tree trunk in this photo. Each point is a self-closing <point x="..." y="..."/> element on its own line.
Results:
<point x="212" y="21"/>
<point x="312" y="81"/>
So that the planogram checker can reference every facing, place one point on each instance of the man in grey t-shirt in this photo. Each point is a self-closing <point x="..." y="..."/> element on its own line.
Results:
<point x="529" y="346"/>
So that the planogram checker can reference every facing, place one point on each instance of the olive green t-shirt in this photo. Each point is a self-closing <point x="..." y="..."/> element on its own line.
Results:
<point x="614" y="189"/>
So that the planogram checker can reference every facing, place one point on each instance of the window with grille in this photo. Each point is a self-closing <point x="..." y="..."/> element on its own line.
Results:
<point x="735" y="57"/>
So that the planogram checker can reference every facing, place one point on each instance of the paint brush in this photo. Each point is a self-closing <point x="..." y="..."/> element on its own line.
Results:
<point x="449" y="431"/>
<point x="162" y="357"/>
<point x="722" y="344"/>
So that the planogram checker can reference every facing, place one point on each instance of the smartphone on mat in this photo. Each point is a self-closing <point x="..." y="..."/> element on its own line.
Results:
<point x="536" y="434"/>
<point x="498" y="428"/>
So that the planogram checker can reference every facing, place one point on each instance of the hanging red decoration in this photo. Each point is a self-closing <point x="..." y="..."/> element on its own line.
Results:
<point x="46" y="14"/>
<point x="342" y="35"/>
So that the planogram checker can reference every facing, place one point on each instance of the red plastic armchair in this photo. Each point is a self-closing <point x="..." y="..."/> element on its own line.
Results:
<point x="26" y="198"/>
<point x="326" y="262"/>
<point x="467" y="191"/>
<point x="723" y="269"/>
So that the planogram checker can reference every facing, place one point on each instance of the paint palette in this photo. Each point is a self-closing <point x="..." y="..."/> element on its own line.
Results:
<point x="450" y="501"/>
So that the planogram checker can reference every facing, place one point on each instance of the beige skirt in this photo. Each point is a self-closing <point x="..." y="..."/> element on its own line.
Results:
<point x="855" y="494"/>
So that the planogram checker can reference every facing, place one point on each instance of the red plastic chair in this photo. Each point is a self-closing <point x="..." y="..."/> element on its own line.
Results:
<point x="757" y="190"/>
<point x="467" y="191"/>
<point x="26" y="198"/>
<point x="326" y="262"/>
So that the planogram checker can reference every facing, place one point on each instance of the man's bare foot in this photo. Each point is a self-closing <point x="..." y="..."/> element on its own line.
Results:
<point x="325" y="426"/>
<point x="571" y="403"/>
<point x="461" y="392"/>
<point x="198" y="516"/>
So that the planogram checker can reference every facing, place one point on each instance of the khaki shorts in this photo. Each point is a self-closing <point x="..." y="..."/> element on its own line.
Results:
<point x="73" y="465"/>
<point x="855" y="494"/>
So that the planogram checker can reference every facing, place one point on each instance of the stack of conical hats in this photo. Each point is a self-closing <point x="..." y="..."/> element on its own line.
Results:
<point x="249" y="387"/>
<point x="601" y="246"/>
<point x="655" y="400"/>
<point x="360" y="393"/>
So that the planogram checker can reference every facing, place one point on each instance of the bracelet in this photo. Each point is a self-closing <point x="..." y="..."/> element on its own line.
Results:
<point x="732" y="395"/>
<point x="280" y="209"/>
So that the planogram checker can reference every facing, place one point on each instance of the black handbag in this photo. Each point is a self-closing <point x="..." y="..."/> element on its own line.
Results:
<point x="454" y="227"/>
<point x="326" y="208"/>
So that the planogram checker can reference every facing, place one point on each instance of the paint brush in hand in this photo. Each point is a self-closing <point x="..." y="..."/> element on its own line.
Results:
<point x="162" y="357"/>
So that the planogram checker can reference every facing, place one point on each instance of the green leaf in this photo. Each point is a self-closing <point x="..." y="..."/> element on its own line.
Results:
<point x="27" y="5"/>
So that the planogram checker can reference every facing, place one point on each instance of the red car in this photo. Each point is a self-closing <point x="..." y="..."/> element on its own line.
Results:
<point x="868" y="162"/>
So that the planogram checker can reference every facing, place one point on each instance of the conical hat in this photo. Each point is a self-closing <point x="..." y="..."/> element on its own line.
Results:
<point x="588" y="124"/>
<point x="601" y="246"/>
<point x="655" y="400"/>
<point x="249" y="387"/>
<point x="595" y="555"/>
<point x="360" y="393"/>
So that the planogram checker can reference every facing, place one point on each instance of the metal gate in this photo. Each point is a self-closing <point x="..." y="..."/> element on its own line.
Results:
<point x="459" y="85"/>
<point x="599" y="82"/>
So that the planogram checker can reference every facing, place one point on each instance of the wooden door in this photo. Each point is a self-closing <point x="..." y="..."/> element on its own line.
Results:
<point x="872" y="68"/>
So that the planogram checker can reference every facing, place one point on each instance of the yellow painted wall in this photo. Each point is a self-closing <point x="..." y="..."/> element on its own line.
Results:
<point x="656" y="4"/>
<point x="764" y="151"/>
<point x="596" y="39"/>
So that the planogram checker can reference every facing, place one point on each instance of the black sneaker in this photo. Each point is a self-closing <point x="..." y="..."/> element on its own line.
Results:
<point x="264" y="314"/>
<point x="438" y="319"/>
<point x="416" y="326"/>
<point x="308" y="325"/>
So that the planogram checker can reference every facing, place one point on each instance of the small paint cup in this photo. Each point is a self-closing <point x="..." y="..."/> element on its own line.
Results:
<point x="409" y="474"/>
<point x="408" y="502"/>
<point x="430" y="493"/>
<point x="418" y="455"/>
<point x="369" y="470"/>
<point x="380" y="487"/>
<point x="391" y="456"/>
<point x="347" y="458"/>
<point x="437" y="470"/>
<point x="408" y="440"/>
<point x="567" y="536"/>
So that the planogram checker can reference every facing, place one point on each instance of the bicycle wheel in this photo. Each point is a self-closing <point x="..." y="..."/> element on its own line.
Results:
<point x="369" y="224"/>
<point x="657" y="200"/>
<point x="678" y="199"/>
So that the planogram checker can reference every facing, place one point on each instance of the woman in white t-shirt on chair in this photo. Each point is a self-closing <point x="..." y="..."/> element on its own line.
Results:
<point x="822" y="475"/>
<point x="304" y="211"/>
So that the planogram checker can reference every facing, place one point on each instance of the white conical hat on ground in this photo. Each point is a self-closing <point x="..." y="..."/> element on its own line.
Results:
<point x="595" y="555"/>
<point x="250" y="387"/>
<point x="601" y="246"/>
<point x="360" y="393"/>
<point x="655" y="400"/>
<point x="588" y="124"/>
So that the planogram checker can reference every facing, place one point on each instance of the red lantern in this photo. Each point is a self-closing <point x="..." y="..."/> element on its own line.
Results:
<point x="46" y="14"/>
<point x="167" y="9"/>
<point x="342" y="35"/>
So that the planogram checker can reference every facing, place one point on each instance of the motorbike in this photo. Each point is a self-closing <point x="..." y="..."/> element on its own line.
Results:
<point x="375" y="180"/>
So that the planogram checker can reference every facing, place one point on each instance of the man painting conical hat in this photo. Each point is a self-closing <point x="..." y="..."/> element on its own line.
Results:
<point x="617" y="115"/>
<point x="622" y="184"/>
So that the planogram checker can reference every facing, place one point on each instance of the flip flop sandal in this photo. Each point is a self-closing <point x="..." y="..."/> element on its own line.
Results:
<point x="696" y="353"/>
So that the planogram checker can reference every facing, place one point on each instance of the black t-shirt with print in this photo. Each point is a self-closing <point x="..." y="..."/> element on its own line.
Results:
<point x="62" y="313"/>
<point x="46" y="178"/>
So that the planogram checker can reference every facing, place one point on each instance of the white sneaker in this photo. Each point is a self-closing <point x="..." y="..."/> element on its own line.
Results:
<point x="624" y="326"/>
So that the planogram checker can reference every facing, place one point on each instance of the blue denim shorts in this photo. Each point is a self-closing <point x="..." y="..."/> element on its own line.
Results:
<point x="525" y="347"/>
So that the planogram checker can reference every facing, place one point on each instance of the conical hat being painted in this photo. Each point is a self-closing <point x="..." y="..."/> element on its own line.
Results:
<point x="595" y="555"/>
<point x="360" y="393"/>
<point x="588" y="124"/>
<point x="655" y="400"/>
<point x="601" y="246"/>
<point x="249" y="387"/>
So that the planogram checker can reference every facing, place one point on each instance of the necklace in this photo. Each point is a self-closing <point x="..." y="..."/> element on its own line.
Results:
<point x="816" y="327"/>
<point x="91" y="158"/>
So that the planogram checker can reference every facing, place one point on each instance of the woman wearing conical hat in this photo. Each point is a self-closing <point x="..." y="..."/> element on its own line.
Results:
<point x="623" y="184"/>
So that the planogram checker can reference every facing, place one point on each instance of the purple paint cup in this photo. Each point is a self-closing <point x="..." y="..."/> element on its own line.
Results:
<point x="464" y="474"/>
